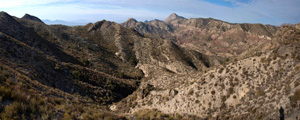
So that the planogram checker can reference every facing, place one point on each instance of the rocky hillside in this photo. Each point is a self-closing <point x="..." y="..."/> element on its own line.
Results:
<point x="33" y="56"/>
<point x="206" y="35"/>
<point x="250" y="88"/>
<point x="174" y="69"/>
<point x="92" y="65"/>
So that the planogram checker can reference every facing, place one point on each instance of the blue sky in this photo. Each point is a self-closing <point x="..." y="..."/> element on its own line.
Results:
<point x="273" y="12"/>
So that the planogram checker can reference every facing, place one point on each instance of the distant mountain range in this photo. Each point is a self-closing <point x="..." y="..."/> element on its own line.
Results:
<point x="68" y="23"/>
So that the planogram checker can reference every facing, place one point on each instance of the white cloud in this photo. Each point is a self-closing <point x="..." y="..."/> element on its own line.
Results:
<point x="16" y="3"/>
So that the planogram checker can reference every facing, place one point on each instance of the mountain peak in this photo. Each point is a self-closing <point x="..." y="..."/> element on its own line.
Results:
<point x="33" y="18"/>
<point x="131" y="20"/>
<point x="173" y="16"/>
<point x="4" y="14"/>
<point x="6" y="19"/>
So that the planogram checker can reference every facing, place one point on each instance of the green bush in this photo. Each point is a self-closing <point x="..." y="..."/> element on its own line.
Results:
<point x="76" y="74"/>
<point x="109" y="85"/>
<point x="86" y="62"/>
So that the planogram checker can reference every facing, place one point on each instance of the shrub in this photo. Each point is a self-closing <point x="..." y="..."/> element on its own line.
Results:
<point x="67" y="116"/>
<point x="211" y="75"/>
<point x="3" y="76"/>
<point x="76" y="74"/>
<point x="5" y="92"/>
<point x="191" y="92"/>
<point x="295" y="98"/>
<point x="221" y="70"/>
<point x="260" y="92"/>
<point x="234" y="96"/>
<point x="120" y="74"/>
<point x="230" y="90"/>
<point x="86" y="62"/>
<point x="297" y="68"/>
<point x="213" y="92"/>
<point x="133" y="60"/>
<point x="109" y="85"/>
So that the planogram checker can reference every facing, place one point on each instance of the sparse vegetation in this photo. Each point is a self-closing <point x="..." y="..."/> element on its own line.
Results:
<point x="86" y="62"/>
<point x="155" y="115"/>
<point x="191" y="92"/>
<point x="76" y="74"/>
<point x="230" y="90"/>
<point x="109" y="85"/>
<point x="20" y="104"/>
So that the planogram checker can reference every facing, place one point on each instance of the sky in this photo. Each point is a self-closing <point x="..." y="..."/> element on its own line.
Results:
<point x="274" y="12"/>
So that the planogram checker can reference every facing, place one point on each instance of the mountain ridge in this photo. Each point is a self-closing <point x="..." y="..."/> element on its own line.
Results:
<point x="203" y="34"/>
<point x="33" y="18"/>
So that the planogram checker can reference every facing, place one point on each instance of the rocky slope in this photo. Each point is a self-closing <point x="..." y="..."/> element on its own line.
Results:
<point x="37" y="58"/>
<point x="209" y="36"/>
<point x="95" y="64"/>
<point x="251" y="88"/>
<point x="155" y="29"/>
